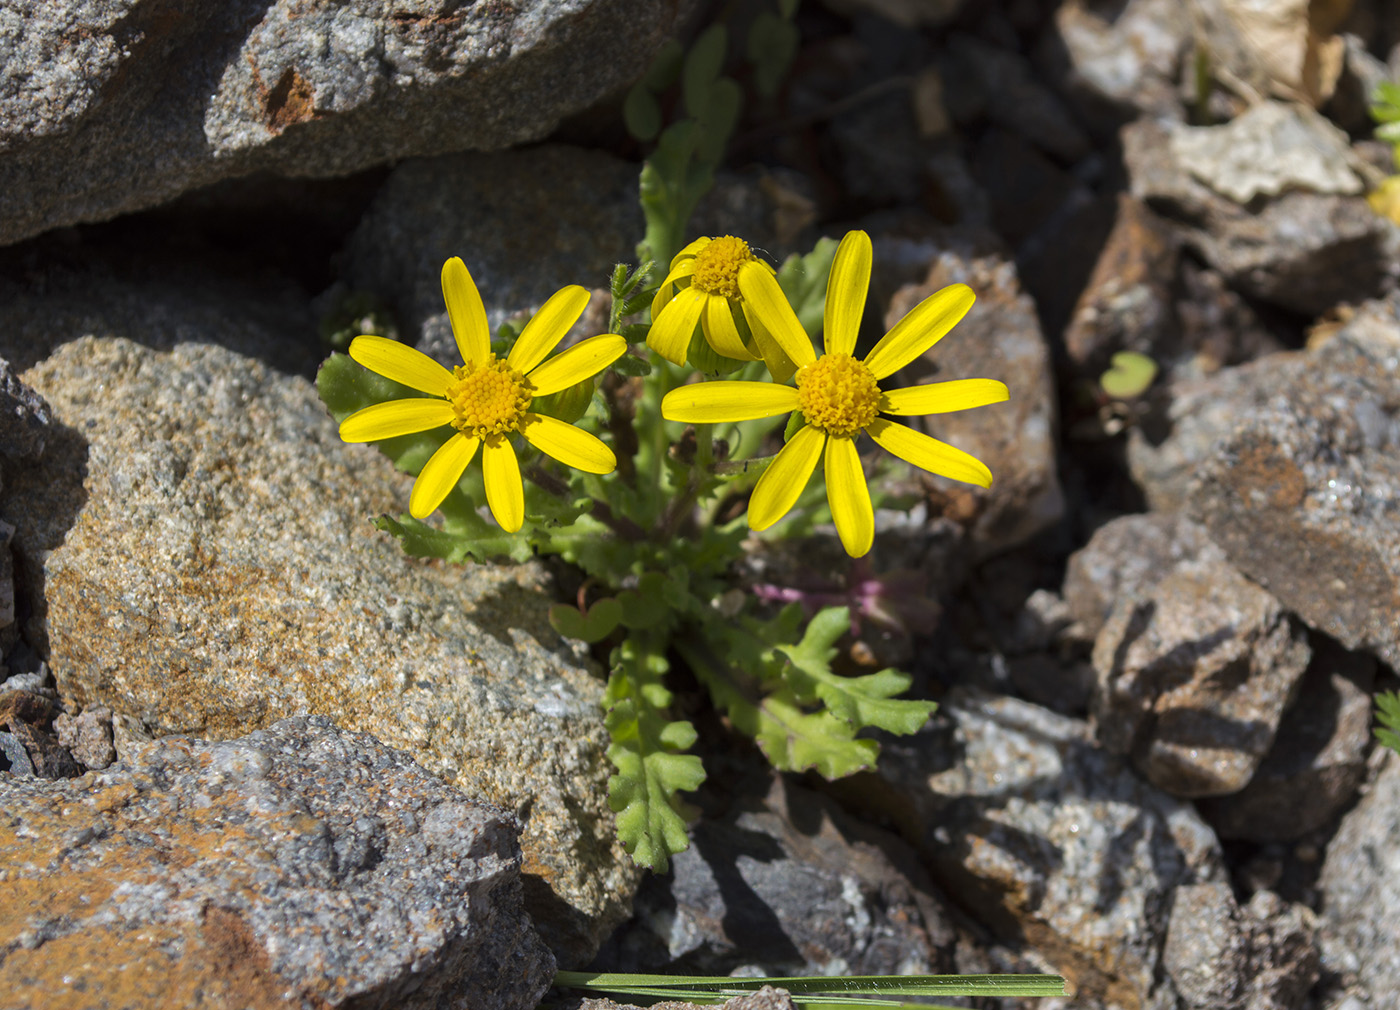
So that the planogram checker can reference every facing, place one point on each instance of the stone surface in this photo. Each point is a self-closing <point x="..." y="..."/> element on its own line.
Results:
<point x="1117" y="67"/>
<point x="1126" y="557"/>
<point x="88" y="736"/>
<point x="1194" y="675"/>
<point x="297" y="866"/>
<point x="1360" y="887"/>
<point x="525" y="222"/>
<point x="1303" y="250"/>
<point x="197" y="543"/>
<point x="24" y="417"/>
<point x="787" y="885"/>
<point x="1318" y="758"/>
<point x="1301" y="481"/>
<point x="1127" y="304"/>
<point x="1223" y="957"/>
<point x="1047" y="839"/>
<point x="999" y="338"/>
<point x="115" y="105"/>
<point x="766" y="998"/>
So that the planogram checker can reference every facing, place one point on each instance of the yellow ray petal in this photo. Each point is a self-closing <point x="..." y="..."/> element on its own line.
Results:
<point x="686" y="268"/>
<point x="845" y="293"/>
<point x="465" y="311"/>
<point x="504" y="492"/>
<point x="925" y="325"/>
<point x="929" y="453"/>
<point x="585" y="359"/>
<point x="944" y="397"/>
<point x="721" y="332"/>
<point x="766" y="301"/>
<point x="395" y="417"/>
<point x="441" y="474"/>
<point x="716" y="402"/>
<point x="569" y="445"/>
<point x="780" y="366"/>
<point x="670" y="332"/>
<point x="783" y="481"/>
<point x="401" y="363"/>
<point x="848" y="496"/>
<point x="547" y="327"/>
<point x="690" y="251"/>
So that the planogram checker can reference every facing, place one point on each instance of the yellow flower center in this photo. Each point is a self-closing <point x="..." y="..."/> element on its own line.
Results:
<point x="838" y="394"/>
<point x="717" y="266"/>
<point x="489" y="398"/>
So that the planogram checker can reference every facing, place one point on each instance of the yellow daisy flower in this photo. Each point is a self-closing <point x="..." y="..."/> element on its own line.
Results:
<point x="487" y="398"/>
<point x="840" y="397"/>
<point x="703" y="287"/>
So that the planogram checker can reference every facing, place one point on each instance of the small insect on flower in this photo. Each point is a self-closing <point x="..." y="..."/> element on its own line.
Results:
<point x="839" y="396"/>
<point x="487" y="398"/>
<point x="703" y="288"/>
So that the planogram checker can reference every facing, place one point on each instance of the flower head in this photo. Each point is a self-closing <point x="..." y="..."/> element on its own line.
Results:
<point x="840" y="396"/>
<point x="486" y="398"/>
<point x="703" y="288"/>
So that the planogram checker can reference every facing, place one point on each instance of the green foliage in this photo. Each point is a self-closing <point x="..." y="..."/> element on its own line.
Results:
<point x="803" y="280"/>
<point x="357" y="313"/>
<point x="1385" y="110"/>
<point x="772" y="45"/>
<point x="1130" y="376"/>
<point x="1388" y="715"/>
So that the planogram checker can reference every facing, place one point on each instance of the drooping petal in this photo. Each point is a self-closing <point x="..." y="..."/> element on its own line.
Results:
<point x="720" y="331"/>
<point x="465" y="311"/>
<point x="401" y="363"/>
<point x="569" y="445"/>
<point x="670" y="331"/>
<point x="395" y="417"/>
<point x="765" y="301"/>
<point x="504" y="492"/>
<point x="848" y="496"/>
<point x="584" y="360"/>
<point x="547" y="327"/>
<point x="845" y="293"/>
<point x="928" y="453"/>
<point x="944" y="397"/>
<point x="926" y="324"/>
<point x="777" y="490"/>
<point x="441" y="474"/>
<point x="717" y="402"/>
<point x="780" y="366"/>
<point x="684" y="268"/>
<point x="691" y="250"/>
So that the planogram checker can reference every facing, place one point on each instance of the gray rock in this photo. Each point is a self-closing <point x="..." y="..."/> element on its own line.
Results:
<point x="1304" y="250"/>
<point x="525" y="222"/>
<point x="88" y="736"/>
<point x="1360" y="887"/>
<point x="24" y="417"/>
<point x="115" y="105"/>
<point x="16" y="758"/>
<point x="299" y="859"/>
<point x="1222" y="957"/>
<point x="999" y="338"/>
<point x="1127" y="557"/>
<point x="1043" y="836"/>
<point x="1318" y="758"/>
<point x="1301" y="478"/>
<point x="787" y="885"/>
<point x="765" y="998"/>
<point x="1127" y="304"/>
<point x="1194" y="675"/>
<point x="1119" y="67"/>
<point x="198" y="550"/>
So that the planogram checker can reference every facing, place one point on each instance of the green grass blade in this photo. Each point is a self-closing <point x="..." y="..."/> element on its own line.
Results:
<point x="864" y="985"/>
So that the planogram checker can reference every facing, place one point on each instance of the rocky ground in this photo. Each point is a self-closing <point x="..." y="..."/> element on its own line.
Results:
<point x="250" y="755"/>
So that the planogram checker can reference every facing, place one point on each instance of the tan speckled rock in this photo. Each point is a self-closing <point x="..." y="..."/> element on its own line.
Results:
<point x="296" y="867"/>
<point x="202" y="539"/>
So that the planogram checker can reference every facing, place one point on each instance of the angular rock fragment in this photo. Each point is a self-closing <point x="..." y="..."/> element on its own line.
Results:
<point x="297" y="860"/>
<point x="1194" y="675"/>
